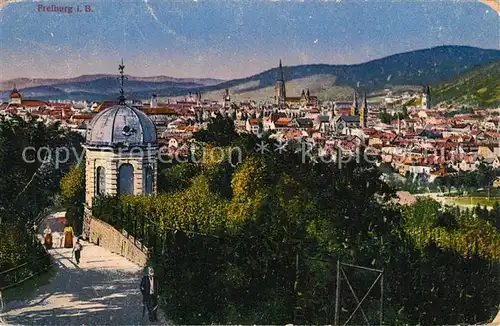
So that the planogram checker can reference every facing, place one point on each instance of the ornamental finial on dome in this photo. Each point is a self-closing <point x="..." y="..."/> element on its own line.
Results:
<point x="122" y="77"/>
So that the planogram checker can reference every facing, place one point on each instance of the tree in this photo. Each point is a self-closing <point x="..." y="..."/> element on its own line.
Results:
<point x="256" y="248"/>
<point x="73" y="196"/>
<point x="29" y="181"/>
<point x="405" y="113"/>
<point x="220" y="132"/>
<point x="177" y="177"/>
<point x="385" y="117"/>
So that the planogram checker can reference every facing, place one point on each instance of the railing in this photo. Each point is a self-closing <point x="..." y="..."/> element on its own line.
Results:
<point x="19" y="274"/>
<point x="133" y="225"/>
<point x="138" y="243"/>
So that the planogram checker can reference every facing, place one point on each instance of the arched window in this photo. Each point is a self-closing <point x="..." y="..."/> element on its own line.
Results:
<point x="100" y="181"/>
<point x="126" y="179"/>
<point x="148" y="179"/>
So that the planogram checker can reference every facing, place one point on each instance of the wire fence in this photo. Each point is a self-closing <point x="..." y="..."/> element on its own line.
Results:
<point x="19" y="274"/>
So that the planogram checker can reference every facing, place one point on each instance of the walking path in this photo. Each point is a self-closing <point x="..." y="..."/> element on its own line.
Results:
<point x="102" y="290"/>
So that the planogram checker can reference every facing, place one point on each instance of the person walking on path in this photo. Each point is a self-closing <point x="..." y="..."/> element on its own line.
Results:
<point x="47" y="237"/>
<point x="77" y="251"/>
<point x="149" y="290"/>
<point x="68" y="236"/>
<point x="57" y="239"/>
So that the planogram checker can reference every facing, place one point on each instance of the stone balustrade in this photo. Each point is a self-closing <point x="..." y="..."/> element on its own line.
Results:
<point x="106" y="236"/>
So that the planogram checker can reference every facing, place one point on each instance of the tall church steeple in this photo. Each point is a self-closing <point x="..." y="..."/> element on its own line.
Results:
<point x="363" y="112"/>
<point x="426" y="97"/>
<point x="354" y="107"/>
<point x="280" y="73"/>
<point x="279" y="89"/>
<point x="428" y="94"/>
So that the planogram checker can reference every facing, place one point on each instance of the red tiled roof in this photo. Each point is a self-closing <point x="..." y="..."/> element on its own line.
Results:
<point x="160" y="110"/>
<point x="344" y="111"/>
<point x="283" y="122"/>
<point x="34" y="103"/>
<point x="82" y="116"/>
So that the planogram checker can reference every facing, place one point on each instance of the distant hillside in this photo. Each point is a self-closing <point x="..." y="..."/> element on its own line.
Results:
<point x="323" y="86"/>
<point x="429" y="66"/>
<point x="477" y="87"/>
<point x="23" y="83"/>
<point x="104" y="87"/>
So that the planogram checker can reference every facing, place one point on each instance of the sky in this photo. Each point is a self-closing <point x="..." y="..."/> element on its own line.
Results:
<point x="227" y="39"/>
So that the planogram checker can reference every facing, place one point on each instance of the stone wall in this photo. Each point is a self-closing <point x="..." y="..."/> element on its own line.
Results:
<point x="106" y="236"/>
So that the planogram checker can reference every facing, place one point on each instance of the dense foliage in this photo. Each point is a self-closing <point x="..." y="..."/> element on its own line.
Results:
<point x="29" y="183"/>
<point x="472" y="183"/>
<point x="73" y="196"/>
<point x="262" y="249"/>
<point x="482" y="177"/>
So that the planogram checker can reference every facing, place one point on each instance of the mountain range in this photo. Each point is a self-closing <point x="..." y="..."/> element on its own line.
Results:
<point x="427" y="66"/>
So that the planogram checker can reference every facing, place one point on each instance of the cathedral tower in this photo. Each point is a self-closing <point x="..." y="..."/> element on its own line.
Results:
<point x="426" y="97"/>
<point x="363" y="113"/>
<point x="227" y="99"/>
<point x="354" y="107"/>
<point x="279" y="89"/>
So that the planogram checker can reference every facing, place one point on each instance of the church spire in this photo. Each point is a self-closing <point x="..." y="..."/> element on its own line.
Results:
<point x="281" y="77"/>
<point x="428" y="93"/>
<point x="354" y="107"/>
<point x="122" y="78"/>
<point x="426" y="97"/>
<point x="280" y="89"/>
<point x="363" y="116"/>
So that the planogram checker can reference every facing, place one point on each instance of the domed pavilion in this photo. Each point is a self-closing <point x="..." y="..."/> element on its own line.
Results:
<point x="121" y="153"/>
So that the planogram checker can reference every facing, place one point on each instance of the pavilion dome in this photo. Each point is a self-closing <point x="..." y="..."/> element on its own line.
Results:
<point x="121" y="125"/>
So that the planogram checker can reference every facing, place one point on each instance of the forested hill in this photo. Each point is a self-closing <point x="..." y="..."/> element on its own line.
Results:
<point x="477" y="87"/>
<point x="427" y="66"/>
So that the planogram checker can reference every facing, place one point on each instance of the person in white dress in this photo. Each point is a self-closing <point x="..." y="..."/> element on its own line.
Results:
<point x="57" y="239"/>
